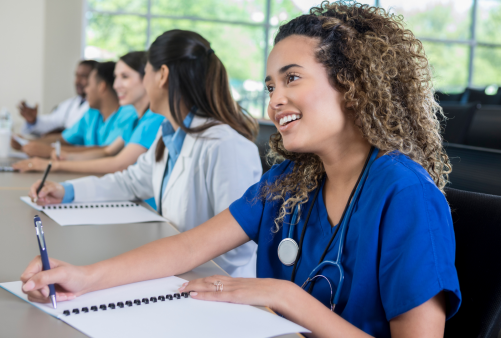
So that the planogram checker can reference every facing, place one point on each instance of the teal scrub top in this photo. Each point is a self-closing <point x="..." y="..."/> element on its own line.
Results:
<point x="91" y="130"/>
<point x="398" y="253"/>
<point x="144" y="134"/>
<point x="146" y="129"/>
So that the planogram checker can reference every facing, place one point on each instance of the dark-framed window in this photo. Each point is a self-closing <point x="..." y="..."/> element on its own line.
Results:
<point x="460" y="37"/>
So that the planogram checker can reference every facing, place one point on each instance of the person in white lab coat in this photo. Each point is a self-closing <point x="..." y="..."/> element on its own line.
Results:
<point x="66" y="114"/>
<point x="203" y="158"/>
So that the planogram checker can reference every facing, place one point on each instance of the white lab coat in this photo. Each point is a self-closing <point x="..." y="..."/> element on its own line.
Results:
<point x="214" y="169"/>
<point x="65" y="115"/>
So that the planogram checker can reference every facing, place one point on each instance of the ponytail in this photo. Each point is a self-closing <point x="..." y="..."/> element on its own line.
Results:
<point x="198" y="78"/>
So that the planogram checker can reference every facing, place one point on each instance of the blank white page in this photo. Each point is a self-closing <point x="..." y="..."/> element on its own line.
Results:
<point x="112" y="212"/>
<point x="185" y="317"/>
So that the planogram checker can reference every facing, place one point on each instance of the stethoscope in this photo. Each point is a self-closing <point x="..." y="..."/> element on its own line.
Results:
<point x="289" y="251"/>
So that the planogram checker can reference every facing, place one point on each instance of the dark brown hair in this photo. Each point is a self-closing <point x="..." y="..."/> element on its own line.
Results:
<point x="384" y="74"/>
<point x="197" y="78"/>
<point x="89" y="63"/>
<point x="105" y="71"/>
<point x="135" y="60"/>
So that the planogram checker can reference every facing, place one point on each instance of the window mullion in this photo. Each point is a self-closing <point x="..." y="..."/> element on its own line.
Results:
<point x="267" y="27"/>
<point x="473" y="39"/>
<point x="148" y="26"/>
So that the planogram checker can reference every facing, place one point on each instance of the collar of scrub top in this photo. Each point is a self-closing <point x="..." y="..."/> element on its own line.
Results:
<point x="173" y="140"/>
<point x="343" y="227"/>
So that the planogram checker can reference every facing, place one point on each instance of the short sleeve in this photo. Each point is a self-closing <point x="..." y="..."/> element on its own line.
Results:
<point x="146" y="132"/>
<point x="76" y="134"/>
<point x="248" y="210"/>
<point x="417" y="251"/>
<point x="124" y="125"/>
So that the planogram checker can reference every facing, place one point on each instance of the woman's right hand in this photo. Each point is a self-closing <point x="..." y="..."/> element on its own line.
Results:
<point x="63" y="156"/>
<point x="14" y="144"/>
<point x="51" y="193"/>
<point x="70" y="281"/>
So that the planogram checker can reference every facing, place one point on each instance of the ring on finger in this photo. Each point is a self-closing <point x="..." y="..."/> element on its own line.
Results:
<point x="219" y="286"/>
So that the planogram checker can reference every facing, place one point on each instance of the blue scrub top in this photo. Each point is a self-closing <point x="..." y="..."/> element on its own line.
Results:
<point x="399" y="250"/>
<point x="91" y="130"/>
<point x="146" y="129"/>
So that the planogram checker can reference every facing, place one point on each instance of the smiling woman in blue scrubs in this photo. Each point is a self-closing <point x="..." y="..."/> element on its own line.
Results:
<point x="357" y="203"/>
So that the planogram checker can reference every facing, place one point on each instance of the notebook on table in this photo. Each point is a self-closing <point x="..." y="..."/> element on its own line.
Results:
<point x="112" y="212"/>
<point x="155" y="308"/>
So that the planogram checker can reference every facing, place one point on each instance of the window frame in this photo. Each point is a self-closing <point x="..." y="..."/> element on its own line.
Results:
<point x="472" y="42"/>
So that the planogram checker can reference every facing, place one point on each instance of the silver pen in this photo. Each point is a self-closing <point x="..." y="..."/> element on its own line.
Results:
<point x="58" y="149"/>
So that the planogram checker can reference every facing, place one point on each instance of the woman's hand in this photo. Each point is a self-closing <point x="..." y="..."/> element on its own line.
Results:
<point x="31" y="164"/>
<point x="29" y="114"/>
<point x="115" y="147"/>
<point x="51" y="193"/>
<point x="14" y="144"/>
<point x="70" y="281"/>
<point x="253" y="291"/>
<point x="63" y="156"/>
<point x="37" y="149"/>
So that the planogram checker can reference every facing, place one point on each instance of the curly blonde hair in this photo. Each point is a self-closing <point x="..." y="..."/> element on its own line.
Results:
<point x="384" y="74"/>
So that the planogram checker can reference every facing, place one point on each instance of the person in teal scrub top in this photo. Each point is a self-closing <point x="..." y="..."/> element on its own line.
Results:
<point x="128" y="84"/>
<point x="103" y="122"/>
<point x="106" y="120"/>
<point x="360" y="183"/>
<point x="203" y="157"/>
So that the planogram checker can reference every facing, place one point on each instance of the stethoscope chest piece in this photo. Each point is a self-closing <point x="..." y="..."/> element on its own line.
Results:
<point x="287" y="251"/>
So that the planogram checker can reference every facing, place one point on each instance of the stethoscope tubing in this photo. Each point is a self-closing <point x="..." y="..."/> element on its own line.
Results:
<point x="343" y="227"/>
<point x="294" y="220"/>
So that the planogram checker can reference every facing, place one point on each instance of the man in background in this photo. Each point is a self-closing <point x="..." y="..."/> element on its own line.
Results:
<point x="104" y="121"/>
<point x="66" y="114"/>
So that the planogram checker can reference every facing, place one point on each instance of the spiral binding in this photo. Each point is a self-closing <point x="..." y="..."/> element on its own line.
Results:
<point x="92" y="206"/>
<point x="128" y="303"/>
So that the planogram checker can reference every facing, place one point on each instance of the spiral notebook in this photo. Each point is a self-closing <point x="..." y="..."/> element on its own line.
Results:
<point x="112" y="212"/>
<point x="155" y="308"/>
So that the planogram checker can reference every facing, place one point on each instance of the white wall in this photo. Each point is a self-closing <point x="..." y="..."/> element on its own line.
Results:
<point x="63" y="35"/>
<point x="21" y="52"/>
<point x="40" y="45"/>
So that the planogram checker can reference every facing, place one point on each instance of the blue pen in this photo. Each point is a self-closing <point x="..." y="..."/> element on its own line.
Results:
<point x="45" y="256"/>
